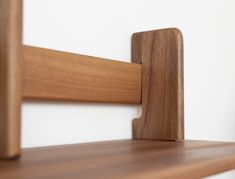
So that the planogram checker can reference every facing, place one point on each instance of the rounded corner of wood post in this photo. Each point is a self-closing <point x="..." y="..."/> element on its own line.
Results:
<point x="10" y="155"/>
<point x="177" y="32"/>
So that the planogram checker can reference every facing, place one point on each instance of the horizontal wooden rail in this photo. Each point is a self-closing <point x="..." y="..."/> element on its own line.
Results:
<point x="54" y="75"/>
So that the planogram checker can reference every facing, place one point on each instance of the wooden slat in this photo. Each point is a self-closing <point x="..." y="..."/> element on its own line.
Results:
<point x="161" y="55"/>
<point x="10" y="77"/>
<point x="123" y="159"/>
<point x="54" y="75"/>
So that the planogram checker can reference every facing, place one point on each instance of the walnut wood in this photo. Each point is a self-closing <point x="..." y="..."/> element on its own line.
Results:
<point x="123" y="159"/>
<point x="54" y="75"/>
<point x="161" y="54"/>
<point x="10" y="77"/>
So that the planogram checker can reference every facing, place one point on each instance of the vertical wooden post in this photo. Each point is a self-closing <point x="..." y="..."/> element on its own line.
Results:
<point x="10" y="77"/>
<point x="161" y="55"/>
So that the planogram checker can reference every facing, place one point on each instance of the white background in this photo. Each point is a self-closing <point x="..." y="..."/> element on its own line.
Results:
<point x="103" y="28"/>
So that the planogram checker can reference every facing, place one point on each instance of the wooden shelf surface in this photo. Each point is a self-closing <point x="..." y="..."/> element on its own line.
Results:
<point x="123" y="159"/>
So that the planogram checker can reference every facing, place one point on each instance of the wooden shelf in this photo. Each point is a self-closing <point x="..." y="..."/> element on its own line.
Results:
<point x="123" y="159"/>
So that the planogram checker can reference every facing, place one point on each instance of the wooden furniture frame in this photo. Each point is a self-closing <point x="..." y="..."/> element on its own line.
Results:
<point x="153" y="79"/>
<point x="42" y="74"/>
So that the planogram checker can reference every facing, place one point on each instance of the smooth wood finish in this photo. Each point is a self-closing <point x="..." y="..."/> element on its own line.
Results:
<point x="54" y="75"/>
<point x="161" y="54"/>
<point x="123" y="159"/>
<point x="10" y="77"/>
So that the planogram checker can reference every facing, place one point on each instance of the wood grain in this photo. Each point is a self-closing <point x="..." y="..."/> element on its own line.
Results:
<point x="123" y="159"/>
<point x="54" y="75"/>
<point x="161" y="54"/>
<point x="10" y="77"/>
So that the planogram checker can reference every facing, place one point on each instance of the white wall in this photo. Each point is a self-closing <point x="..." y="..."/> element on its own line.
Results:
<point x="103" y="28"/>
